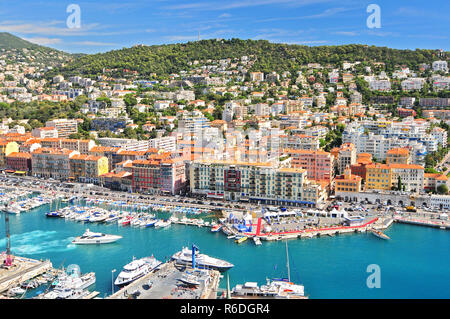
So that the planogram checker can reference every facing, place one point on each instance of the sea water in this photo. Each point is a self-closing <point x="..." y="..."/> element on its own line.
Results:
<point x="413" y="264"/>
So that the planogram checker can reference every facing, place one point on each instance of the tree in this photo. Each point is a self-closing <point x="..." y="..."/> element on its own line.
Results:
<point x="442" y="189"/>
<point x="399" y="183"/>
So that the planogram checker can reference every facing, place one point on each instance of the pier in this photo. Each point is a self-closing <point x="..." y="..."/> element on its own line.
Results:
<point x="164" y="284"/>
<point x="22" y="270"/>
<point x="442" y="224"/>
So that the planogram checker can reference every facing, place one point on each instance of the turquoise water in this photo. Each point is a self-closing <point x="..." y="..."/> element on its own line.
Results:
<point x="414" y="264"/>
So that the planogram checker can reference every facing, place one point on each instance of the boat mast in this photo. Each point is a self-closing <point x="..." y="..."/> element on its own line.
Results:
<point x="228" y="287"/>
<point x="287" y="263"/>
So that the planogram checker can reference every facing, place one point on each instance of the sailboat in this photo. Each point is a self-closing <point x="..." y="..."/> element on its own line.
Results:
<point x="379" y="234"/>
<point x="274" y="289"/>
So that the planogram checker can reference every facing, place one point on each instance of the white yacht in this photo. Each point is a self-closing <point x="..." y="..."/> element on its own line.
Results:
<point x="189" y="279"/>
<point x="184" y="257"/>
<point x="162" y="223"/>
<point x="136" y="269"/>
<point x="75" y="282"/>
<point x="95" y="238"/>
<point x="275" y="289"/>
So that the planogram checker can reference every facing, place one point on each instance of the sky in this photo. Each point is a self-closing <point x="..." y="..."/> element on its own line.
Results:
<point x="113" y="24"/>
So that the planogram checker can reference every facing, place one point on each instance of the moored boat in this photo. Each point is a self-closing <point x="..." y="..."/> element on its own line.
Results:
<point x="379" y="234"/>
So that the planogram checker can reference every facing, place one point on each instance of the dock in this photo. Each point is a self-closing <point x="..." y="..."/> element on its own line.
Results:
<point x="92" y="295"/>
<point x="442" y="224"/>
<point x="164" y="284"/>
<point x="22" y="270"/>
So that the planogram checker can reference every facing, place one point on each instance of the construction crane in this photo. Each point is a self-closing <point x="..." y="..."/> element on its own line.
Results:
<point x="9" y="259"/>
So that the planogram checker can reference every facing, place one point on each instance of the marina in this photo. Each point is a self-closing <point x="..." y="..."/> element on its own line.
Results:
<point x="51" y="238"/>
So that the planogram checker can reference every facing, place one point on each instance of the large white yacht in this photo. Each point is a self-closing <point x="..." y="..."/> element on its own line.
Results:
<point x="136" y="269"/>
<point x="184" y="257"/>
<point x="95" y="238"/>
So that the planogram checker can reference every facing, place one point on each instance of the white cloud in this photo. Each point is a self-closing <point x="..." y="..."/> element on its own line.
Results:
<point x="214" y="6"/>
<point x="43" y="41"/>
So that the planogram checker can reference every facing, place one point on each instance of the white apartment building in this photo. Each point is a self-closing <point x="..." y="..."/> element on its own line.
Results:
<point x="380" y="85"/>
<point x="440" y="66"/>
<point x="65" y="127"/>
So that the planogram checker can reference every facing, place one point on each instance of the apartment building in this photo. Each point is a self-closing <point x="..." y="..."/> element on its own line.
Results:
<point x="378" y="176"/>
<point x="299" y="142"/>
<point x="162" y="173"/>
<point x="65" y="127"/>
<point x="52" y="162"/>
<point x="318" y="164"/>
<point x="87" y="168"/>
<point x="255" y="182"/>
<point x="6" y="148"/>
<point x="398" y="156"/>
<point x="348" y="182"/>
<point x="19" y="162"/>
<point x="108" y="152"/>
<point x="166" y="143"/>
<point x="45" y="132"/>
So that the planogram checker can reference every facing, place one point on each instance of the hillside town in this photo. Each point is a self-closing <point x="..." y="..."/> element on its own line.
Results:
<point x="352" y="131"/>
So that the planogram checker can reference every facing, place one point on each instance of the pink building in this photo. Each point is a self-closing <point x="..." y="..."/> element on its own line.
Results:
<point x="317" y="163"/>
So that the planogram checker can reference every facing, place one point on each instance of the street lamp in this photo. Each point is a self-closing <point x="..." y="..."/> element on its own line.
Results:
<point x="112" y="280"/>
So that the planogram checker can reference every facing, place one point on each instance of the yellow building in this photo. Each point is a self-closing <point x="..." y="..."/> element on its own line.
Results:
<point x="348" y="182"/>
<point x="398" y="156"/>
<point x="88" y="168"/>
<point x="378" y="176"/>
<point x="7" y="148"/>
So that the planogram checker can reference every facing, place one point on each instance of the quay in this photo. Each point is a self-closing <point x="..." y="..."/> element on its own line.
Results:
<point x="442" y="224"/>
<point x="164" y="284"/>
<point x="22" y="270"/>
<point x="373" y="223"/>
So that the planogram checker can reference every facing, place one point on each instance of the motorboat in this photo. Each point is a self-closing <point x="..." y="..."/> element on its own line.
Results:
<point x="216" y="228"/>
<point x="75" y="282"/>
<point x="125" y="221"/>
<point x="162" y="223"/>
<point x="53" y="214"/>
<point x="95" y="238"/>
<point x="184" y="257"/>
<point x="16" y="291"/>
<point x="257" y="241"/>
<point x="136" y="269"/>
<point x="189" y="279"/>
<point x="112" y="219"/>
<point x="151" y="222"/>
<point x="96" y="218"/>
<point x="240" y="239"/>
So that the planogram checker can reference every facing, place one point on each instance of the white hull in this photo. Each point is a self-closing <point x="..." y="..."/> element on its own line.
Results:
<point x="95" y="241"/>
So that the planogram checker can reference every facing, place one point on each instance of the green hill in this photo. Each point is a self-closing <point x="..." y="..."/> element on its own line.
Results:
<point x="166" y="59"/>
<point x="18" y="49"/>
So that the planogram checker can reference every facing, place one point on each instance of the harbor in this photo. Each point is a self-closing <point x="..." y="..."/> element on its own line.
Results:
<point x="36" y="236"/>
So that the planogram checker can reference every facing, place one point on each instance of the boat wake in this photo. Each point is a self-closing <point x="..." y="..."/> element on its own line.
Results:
<point x="37" y="242"/>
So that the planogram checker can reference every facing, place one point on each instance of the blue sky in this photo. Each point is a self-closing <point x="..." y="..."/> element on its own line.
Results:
<point x="114" y="24"/>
